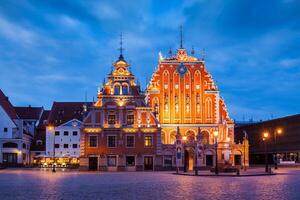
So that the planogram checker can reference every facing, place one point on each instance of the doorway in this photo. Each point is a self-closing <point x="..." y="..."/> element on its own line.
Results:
<point x="148" y="163"/>
<point x="93" y="163"/>
<point x="237" y="160"/>
<point x="209" y="160"/>
<point x="10" y="159"/>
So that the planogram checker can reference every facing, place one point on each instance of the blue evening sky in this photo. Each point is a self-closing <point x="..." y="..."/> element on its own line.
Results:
<point x="56" y="50"/>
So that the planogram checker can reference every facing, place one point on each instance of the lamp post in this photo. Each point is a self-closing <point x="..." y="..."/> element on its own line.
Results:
<point x="216" y="133"/>
<point x="265" y="137"/>
<point x="276" y="133"/>
<point x="184" y="138"/>
<point x="53" y="166"/>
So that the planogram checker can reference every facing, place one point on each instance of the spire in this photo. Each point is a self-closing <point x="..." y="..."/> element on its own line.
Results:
<point x="193" y="51"/>
<point x="203" y="54"/>
<point x="121" y="47"/>
<point x="181" y="37"/>
<point x="170" y="52"/>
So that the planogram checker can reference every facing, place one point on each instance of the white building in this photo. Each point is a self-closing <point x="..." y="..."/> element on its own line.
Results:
<point x="14" y="140"/>
<point x="63" y="132"/>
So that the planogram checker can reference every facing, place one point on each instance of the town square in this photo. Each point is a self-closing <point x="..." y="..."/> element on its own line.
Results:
<point x="149" y="100"/>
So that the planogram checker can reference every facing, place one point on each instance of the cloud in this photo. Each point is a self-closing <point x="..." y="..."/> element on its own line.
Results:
<point x="17" y="33"/>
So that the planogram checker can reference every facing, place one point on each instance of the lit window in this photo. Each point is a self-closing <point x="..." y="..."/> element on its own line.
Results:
<point x="111" y="161"/>
<point x="129" y="141"/>
<point x="111" y="141"/>
<point x="148" y="141"/>
<point x="111" y="117"/>
<point x="130" y="117"/>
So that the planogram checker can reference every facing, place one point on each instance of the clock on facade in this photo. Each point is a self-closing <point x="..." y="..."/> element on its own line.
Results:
<point x="181" y="69"/>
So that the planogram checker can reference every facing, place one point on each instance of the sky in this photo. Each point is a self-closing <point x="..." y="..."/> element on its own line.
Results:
<point x="61" y="50"/>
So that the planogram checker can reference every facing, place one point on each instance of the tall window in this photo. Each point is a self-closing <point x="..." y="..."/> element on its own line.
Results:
<point x="124" y="89"/>
<point x="111" y="141"/>
<point x="56" y="132"/>
<point x="148" y="141"/>
<point x="111" y="117"/>
<point x="117" y="90"/>
<point x="130" y="117"/>
<point x="93" y="141"/>
<point x="130" y="141"/>
<point x="111" y="161"/>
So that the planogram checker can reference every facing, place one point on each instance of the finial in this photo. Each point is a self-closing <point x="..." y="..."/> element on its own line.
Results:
<point x="203" y="54"/>
<point x="181" y="36"/>
<point x="121" y="47"/>
<point x="193" y="51"/>
<point x="170" y="52"/>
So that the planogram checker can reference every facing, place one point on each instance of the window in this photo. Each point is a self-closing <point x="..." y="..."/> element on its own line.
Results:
<point x="75" y="133"/>
<point x="148" y="141"/>
<point x="75" y="146"/>
<point x="130" y="161"/>
<point x="124" y="89"/>
<point x="117" y="90"/>
<point x="130" y="117"/>
<point x="66" y="146"/>
<point x="168" y="160"/>
<point x="66" y="132"/>
<point x="24" y="146"/>
<point x="129" y="141"/>
<point x="111" y="141"/>
<point x="111" y="117"/>
<point x="5" y="130"/>
<point x="56" y="132"/>
<point x="56" y="146"/>
<point x="111" y="161"/>
<point x="93" y="141"/>
<point x="10" y="145"/>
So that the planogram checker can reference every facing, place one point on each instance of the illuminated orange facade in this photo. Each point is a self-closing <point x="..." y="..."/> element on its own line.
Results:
<point x="120" y="131"/>
<point x="182" y="94"/>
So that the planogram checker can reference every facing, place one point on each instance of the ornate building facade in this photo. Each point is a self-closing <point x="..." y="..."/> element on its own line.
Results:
<point x="187" y="103"/>
<point x="120" y="131"/>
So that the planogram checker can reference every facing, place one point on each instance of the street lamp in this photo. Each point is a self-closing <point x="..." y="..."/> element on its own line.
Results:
<point x="184" y="138"/>
<point x="276" y="133"/>
<point x="216" y="133"/>
<point x="265" y="137"/>
<point x="51" y="128"/>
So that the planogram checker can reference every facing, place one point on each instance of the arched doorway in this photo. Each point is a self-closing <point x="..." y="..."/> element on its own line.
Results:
<point x="189" y="158"/>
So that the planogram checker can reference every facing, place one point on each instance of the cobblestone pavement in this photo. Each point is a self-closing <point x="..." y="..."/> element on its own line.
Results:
<point x="40" y="184"/>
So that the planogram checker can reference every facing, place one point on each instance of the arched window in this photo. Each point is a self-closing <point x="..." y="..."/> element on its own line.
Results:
<point x="117" y="90"/>
<point x="124" y="89"/>
<point x="163" y="138"/>
<point x="205" y="135"/>
<point x="172" y="137"/>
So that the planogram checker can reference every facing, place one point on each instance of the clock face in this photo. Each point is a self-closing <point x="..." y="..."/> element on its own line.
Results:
<point x="181" y="69"/>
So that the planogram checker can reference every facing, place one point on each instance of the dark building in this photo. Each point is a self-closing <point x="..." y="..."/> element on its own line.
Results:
<point x="283" y="138"/>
